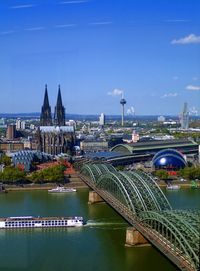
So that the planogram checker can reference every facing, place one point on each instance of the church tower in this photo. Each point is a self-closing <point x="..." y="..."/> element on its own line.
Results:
<point x="59" y="115"/>
<point x="45" y="117"/>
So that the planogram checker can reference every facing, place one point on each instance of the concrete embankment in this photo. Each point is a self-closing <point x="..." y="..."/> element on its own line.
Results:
<point x="74" y="181"/>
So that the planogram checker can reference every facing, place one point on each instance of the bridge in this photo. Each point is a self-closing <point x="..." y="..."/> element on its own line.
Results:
<point x="137" y="197"/>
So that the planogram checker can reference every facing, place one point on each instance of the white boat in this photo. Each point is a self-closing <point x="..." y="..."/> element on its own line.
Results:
<point x="61" y="189"/>
<point x="39" y="222"/>
<point x="173" y="187"/>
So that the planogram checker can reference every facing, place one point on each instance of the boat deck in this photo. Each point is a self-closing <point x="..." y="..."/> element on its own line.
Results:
<point x="39" y="218"/>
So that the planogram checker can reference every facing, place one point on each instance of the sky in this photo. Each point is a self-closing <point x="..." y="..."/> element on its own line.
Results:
<point x="98" y="50"/>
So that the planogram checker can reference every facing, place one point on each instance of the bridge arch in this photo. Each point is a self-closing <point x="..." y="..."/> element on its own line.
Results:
<point x="150" y="190"/>
<point x="94" y="171"/>
<point x="178" y="229"/>
<point x="128" y="186"/>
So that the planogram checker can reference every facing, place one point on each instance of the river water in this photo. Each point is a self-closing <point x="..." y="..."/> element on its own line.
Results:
<point x="98" y="246"/>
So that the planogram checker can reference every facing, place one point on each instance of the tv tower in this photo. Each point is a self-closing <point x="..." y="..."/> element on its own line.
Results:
<point x="122" y="102"/>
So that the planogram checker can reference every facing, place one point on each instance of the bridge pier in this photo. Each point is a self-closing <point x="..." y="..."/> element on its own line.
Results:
<point x="135" y="238"/>
<point x="94" y="197"/>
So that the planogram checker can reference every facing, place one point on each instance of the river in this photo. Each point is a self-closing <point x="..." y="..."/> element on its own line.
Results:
<point x="98" y="246"/>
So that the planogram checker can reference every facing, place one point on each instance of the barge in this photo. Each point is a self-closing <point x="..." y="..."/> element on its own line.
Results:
<point x="14" y="222"/>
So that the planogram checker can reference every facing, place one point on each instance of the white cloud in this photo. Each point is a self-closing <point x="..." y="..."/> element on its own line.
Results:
<point x="101" y="23"/>
<point x="73" y="2"/>
<point x="64" y="25"/>
<point x="193" y="111"/>
<point x="7" y="32"/>
<point x="35" y="28"/>
<point x="192" y="38"/>
<point x="131" y="111"/>
<point x="192" y="87"/>
<point x="23" y="6"/>
<point x="176" y="21"/>
<point x="170" y="95"/>
<point x="115" y="92"/>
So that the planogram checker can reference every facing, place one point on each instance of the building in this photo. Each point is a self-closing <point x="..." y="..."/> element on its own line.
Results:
<point x="56" y="139"/>
<point x="24" y="159"/>
<point x="20" y="125"/>
<point x="94" y="145"/>
<point x="11" y="146"/>
<point x="184" y="117"/>
<point x="59" y="115"/>
<point x="11" y="132"/>
<point x="2" y="122"/>
<point x="187" y="147"/>
<point x="169" y="159"/>
<point x="102" y="119"/>
<point x="135" y="136"/>
<point x="53" y="137"/>
<point x="45" y="117"/>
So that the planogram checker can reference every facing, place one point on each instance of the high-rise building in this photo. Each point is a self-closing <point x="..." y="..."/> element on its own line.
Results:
<point x="45" y="117"/>
<point x="23" y="125"/>
<point x="20" y="125"/>
<point x="102" y="119"/>
<point x="59" y="115"/>
<point x="11" y="132"/>
<point x="2" y="121"/>
<point x="184" y="117"/>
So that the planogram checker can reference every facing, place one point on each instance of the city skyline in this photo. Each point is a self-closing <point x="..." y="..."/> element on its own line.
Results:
<point x="98" y="49"/>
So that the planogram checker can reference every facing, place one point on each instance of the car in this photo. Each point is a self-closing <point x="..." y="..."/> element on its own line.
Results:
<point x="182" y="180"/>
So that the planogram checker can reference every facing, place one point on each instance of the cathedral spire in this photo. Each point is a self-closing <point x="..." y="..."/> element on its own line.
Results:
<point x="59" y="116"/>
<point x="45" y="117"/>
<point x="46" y="98"/>
<point x="59" y="98"/>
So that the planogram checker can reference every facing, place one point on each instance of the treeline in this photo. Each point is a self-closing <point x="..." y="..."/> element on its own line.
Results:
<point x="189" y="173"/>
<point x="51" y="174"/>
<point x="12" y="174"/>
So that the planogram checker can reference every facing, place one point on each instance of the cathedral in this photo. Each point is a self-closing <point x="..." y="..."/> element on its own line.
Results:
<point x="53" y="136"/>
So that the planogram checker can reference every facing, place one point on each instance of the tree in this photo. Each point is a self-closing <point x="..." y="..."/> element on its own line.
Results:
<point x="51" y="174"/>
<point x="162" y="174"/>
<point x="12" y="175"/>
<point x="190" y="173"/>
<point x="5" y="160"/>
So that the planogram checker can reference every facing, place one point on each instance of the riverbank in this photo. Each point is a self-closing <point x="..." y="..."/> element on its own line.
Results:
<point x="186" y="184"/>
<point x="74" y="182"/>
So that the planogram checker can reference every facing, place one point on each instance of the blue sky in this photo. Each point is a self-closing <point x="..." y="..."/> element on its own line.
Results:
<point x="95" y="49"/>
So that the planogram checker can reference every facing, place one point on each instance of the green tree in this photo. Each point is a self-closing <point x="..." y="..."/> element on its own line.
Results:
<point x="12" y="175"/>
<point x="5" y="160"/>
<point x="190" y="173"/>
<point x="161" y="174"/>
<point x="51" y="174"/>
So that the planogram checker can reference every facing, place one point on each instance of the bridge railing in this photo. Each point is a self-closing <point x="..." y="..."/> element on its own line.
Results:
<point x="156" y="238"/>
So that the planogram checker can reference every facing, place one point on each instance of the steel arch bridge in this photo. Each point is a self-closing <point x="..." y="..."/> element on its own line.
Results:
<point x="137" y="197"/>
<point x="180" y="229"/>
<point x="137" y="191"/>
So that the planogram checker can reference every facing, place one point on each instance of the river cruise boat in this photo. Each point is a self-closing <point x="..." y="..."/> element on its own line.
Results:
<point x="173" y="187"/>
<point x="61" y="189"/>
<point x="39" y="222"/>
